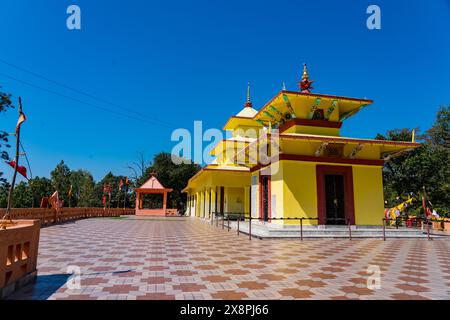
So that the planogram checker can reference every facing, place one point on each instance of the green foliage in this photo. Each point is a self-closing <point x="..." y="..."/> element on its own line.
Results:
<point x="427" y="166"/>
<point x="172" y="176"/>
<point x="22" y="196"/>
<point x="61" y="181"/>
<point x="40" y="188"/>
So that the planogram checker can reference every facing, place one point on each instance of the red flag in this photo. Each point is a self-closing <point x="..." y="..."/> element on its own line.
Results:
<point x="104" y="200"/>
<point x="104" y="187"/>
<point x="109" y="189"/>
<point x="120" y="184"/>
<point x="126" y="181"/>
<point x="20" y="169"/>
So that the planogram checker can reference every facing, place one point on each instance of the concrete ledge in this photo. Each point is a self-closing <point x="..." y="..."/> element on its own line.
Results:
<point x="19" y="283"/>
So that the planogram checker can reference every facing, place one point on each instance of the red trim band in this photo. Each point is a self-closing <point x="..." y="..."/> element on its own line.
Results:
<point x="310" y="123"/>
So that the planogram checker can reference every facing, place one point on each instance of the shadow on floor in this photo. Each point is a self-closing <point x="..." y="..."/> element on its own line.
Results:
<point x="42" y="289"/>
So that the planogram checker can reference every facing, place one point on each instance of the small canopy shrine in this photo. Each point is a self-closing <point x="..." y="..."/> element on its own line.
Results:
<point x="151" y="186"/>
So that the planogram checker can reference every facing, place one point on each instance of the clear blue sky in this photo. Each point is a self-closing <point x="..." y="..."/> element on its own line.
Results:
<point x="180" y="61"/>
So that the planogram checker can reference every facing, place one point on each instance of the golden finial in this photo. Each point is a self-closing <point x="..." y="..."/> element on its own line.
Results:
<point x="248" y="103"/>
<point x="305" y="72"/>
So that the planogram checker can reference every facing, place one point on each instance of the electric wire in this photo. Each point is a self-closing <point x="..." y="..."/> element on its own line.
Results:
<point x="80" y="91"/>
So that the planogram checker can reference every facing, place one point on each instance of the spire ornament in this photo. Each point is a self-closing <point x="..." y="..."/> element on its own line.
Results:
<point x="305" y="84"/>
<point x="248" y="103"/>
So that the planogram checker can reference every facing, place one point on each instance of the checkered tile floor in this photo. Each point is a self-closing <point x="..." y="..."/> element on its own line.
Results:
<point x="185" y="258"/>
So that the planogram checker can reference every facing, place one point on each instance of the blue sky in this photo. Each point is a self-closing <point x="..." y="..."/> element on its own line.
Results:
<point x="181" y="61"/>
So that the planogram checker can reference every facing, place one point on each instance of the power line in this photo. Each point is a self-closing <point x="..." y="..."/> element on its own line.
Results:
<point x="82" y="92"/>
<point x="85" y="103"/>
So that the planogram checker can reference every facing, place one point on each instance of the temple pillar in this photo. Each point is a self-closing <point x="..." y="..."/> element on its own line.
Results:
<point x="165" y="201"/>
<point x="247" y="201"/>
<point x="213" y="200"/>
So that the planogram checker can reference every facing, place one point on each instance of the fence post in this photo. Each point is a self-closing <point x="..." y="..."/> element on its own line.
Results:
<point x="349" y="230"/>
<point x="239" y="218"/>
<point x="301" y="229"/>
<point x="384" y="229"/>
<point x="250" y="227"/>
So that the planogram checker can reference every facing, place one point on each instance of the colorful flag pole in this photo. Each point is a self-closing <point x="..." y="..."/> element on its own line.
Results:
<point x="69" y="194"/>
<point x="109" y="195"/>
<point x="118" y="193"/>
<point x="104" y="195"/>
<point x="22" y="118"/>
<point x="125" y="193"/>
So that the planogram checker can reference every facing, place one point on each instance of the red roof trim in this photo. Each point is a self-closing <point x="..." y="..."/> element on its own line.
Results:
<point x="310" y="123"/>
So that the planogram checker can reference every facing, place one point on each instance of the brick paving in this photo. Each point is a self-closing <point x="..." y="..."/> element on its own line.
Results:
<point x="185" y="258"/>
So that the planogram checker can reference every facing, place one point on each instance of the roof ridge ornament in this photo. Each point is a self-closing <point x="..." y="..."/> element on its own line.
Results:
<point x="248" y="103"/>
<point x="305" y="84"/>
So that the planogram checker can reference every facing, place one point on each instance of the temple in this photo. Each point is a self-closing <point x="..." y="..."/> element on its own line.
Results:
<point x="151" y="198"/>
<point x="289" y="160"/>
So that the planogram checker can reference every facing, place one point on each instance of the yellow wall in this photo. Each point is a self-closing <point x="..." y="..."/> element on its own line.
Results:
<point x="321" y="131"/>
<point x="300" y="190"/>
<point x="276" y="191"/>
<point x="234" y="200"/>
<point x="368" y="193"/>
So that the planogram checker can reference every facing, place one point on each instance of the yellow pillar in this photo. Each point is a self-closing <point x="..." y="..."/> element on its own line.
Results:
<point x="202" y="204"/>
<point x="197" y="204"/>
<point x="247" y="201"/>
<point x="213" y="200"/>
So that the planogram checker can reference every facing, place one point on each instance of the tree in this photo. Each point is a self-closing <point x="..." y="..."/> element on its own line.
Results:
<point x="428" y="165"/>
<point x="83" y="187"/>
<point x="22" y="196"/>
<point x="171" y="175"/>
<point x="117" y="195"/>
<point x="61" y="181"/>
<point x="40" y="188"/>
<point x="439" y="134"/>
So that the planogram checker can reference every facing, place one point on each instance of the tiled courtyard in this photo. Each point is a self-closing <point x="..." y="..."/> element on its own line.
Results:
<point x="184" y="258"/>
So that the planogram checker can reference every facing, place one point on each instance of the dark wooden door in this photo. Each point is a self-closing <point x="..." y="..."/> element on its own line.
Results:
<point x="335" y="199"/>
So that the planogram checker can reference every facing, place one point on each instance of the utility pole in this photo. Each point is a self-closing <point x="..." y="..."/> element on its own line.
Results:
<point x="7" y="216"/>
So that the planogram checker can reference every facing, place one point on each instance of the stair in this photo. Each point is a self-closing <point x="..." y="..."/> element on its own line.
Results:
<point x="269" y="230"/>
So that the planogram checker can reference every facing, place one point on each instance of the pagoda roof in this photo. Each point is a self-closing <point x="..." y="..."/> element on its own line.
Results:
<point x="153" y="185"/>
<point x="283" y="100"/>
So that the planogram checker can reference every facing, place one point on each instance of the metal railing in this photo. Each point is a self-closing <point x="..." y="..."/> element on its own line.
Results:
<point x="221" y="217"/>
<point x="412" y="221"/>
<point x="244" y="217"/>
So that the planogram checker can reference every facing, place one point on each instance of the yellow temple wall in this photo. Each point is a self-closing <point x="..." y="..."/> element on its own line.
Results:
<point x="300" y="190"/>
<point x="368" y="193"/>
<point x="276" y="191"/>
<point x="234" y="200"/>
<point x="320" y="131"/>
